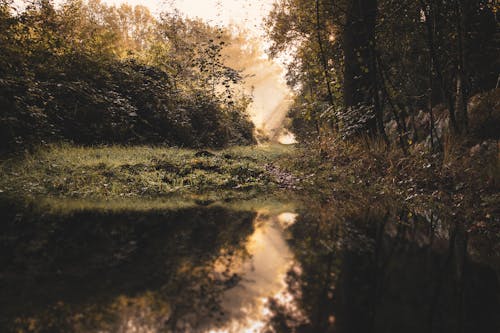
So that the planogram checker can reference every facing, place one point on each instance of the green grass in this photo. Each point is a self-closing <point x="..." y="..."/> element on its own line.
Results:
<point x="274" y="203"/>
<point x="110" y="173"/>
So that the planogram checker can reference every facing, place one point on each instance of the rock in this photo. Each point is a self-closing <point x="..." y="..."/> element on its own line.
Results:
<point x="475" y="150"/>
<point x="488" y="147"/>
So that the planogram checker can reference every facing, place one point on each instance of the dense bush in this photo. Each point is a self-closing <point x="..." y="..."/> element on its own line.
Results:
<point x="58" y="82"/>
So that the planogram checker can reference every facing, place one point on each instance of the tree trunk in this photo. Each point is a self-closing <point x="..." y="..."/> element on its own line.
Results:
<point x="358" y="40"/>
<point x="461" y="96"/>
<point x="431" y="113"/>
<point x="430" y="18"/>
<point x="324" y="60"/>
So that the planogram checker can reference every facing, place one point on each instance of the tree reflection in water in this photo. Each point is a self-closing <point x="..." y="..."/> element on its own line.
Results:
<point x="111" y="272"/>
<point x="215" y="269"/>
<point x="388" y="270"/>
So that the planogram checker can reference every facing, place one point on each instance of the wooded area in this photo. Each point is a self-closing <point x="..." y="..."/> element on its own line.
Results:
<point x="146" y="184"/>
<point x="383" y="67"/>
<point x="92" y="73"/>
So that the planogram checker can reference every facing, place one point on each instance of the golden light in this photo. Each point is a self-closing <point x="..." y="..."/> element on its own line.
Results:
<point x="246" y="13"/>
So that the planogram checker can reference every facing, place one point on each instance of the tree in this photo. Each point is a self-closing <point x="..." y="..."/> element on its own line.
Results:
<point x="388" y="60"/>
<point x="93" y="73"/>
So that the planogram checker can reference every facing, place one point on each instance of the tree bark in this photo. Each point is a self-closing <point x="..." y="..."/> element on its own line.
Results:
<point x="461" y="96"/>
<point x="428" y="9"/>
<point x="358" y="43"/>
<point x="324" y="60"/>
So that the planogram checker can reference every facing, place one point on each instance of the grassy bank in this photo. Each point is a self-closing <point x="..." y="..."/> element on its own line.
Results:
<point x="117" y="172"/>
<point x="462" y="182"/>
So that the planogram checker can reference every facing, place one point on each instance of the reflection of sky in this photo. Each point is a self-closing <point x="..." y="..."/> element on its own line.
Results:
<point x="246" y="305"/>
<point x="263" y="277"/>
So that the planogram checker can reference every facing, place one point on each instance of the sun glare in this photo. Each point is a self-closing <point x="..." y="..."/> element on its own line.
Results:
<point x="271" y="96"/>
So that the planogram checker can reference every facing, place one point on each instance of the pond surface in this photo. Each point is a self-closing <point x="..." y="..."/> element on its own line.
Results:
<point x="280" y="267"/>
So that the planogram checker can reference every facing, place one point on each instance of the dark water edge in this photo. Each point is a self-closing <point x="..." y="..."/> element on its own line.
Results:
<point x="289" y="267"/>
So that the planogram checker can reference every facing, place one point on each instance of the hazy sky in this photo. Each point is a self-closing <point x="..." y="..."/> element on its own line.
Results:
<point x="248" y="13"/>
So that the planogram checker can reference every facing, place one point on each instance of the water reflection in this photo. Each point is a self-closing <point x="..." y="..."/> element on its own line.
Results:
<point x="388" y="270"/>
<point x="263" y="276"/>
<point x="317" y="268"/>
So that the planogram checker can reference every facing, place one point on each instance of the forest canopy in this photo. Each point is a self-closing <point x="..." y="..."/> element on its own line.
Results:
<point x="382" y="67"/>
<point x="91" y="73"/>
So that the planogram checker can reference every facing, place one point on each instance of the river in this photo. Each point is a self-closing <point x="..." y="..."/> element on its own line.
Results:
<point x="267" y="265"/>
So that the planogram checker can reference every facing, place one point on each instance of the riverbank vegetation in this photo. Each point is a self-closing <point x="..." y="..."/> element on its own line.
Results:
<point x="90" y="73"/>
<point x="134" y="195"/>
<point x="395" y="99"/>
<point x="398" y="99"/>
<point x="117" y="172"/>
<point x="390" y="99"/>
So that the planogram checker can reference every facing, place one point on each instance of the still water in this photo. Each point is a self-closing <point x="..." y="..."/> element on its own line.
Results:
<point x="263" y="267"/>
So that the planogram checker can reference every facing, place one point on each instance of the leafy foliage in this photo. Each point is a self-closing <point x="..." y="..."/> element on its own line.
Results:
<point x="392" y="59"/>
<point x="91" y="74"/>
